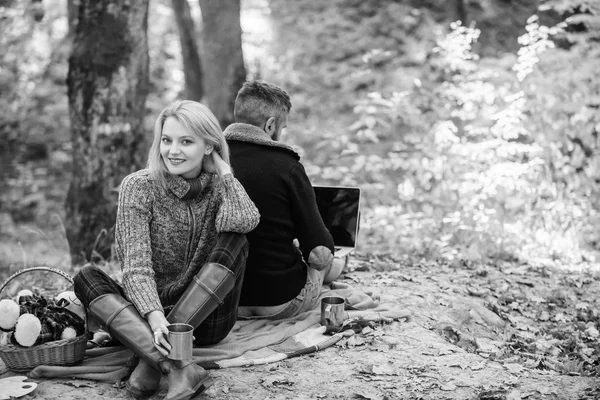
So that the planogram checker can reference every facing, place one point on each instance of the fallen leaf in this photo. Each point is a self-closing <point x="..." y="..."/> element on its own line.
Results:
<point x="487" y="345"/>
<point x="443" y="303"/>
<point x="448" y="386"/>
<point x="80" y="384"/>
<point x="592" y="332"/>
<point x="544" y="316"/>
<point x="525" y="282"/>
<point x="560" y="317"/>
<point x="477" y="292"/>
<point x="535" y="298"/>
<point x="392" y="342"/>
<point x="458" y="364"/>
<point x="369" y="395"/>
<point x="385" y="369"/>
<point x="490" y="317"/>
<point x="476" y="317"/>
<point x="514" y="368"/>
<point x="511" y="381"/>
<point x="431" y="352"/>
<point x="355" y="340"/>
<point x="479" y="366"/>
<point x="276" y="379"/>
<point x="545" y="390"/>
<point x="532" y="363"/>
<point x="366" y="330"/>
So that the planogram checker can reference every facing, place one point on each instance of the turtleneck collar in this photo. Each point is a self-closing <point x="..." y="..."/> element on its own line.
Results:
<point x="253" y="134"/>
<point x="186" y="189"/>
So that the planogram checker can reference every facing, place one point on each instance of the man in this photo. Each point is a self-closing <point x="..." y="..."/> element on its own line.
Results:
<point x="282" y="279"/>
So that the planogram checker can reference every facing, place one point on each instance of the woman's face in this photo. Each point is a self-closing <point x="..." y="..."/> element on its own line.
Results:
<point x="182" y="151"/>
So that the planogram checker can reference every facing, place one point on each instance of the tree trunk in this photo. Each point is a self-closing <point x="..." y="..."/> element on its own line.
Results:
<point x="107" y="87"/>
<point x="72" y="15"/>
<point x="224" y="70"/>
<point x="192" y="69"/>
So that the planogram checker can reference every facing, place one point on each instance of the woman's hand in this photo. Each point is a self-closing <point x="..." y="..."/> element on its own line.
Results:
<point x="215" y="164"/>
<point x="158" y="322"/>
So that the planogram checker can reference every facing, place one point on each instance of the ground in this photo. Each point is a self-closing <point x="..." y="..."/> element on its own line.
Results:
<point x="500" y="330"/>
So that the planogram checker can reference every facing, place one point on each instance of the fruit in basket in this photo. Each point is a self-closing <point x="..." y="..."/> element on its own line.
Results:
<point x="69" y="301"/>
<point x="5" y="337"/>
<point x="68" y="333"/>
<point x="23" y="296"/>
<point x="27" y="330"/>
<point x="9" y="313"/>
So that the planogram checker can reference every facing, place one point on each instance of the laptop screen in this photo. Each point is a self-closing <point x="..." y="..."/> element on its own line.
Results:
<point x="339" y="208"/>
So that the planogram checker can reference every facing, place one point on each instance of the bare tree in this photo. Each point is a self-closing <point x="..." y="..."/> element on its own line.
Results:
<point x="107" y="88"/>
<point x="192" y="69"/>
<point x="224" y="70"/>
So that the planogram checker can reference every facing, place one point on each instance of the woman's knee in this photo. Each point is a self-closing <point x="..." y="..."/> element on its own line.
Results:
<point x="91" y="282"/>
<point x="236" y="242"/>
<point x="85" y="276"/>
<point x="230" y="250"/>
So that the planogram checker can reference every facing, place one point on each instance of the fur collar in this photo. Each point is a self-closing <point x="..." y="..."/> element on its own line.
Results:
<point x="252" y="134"/>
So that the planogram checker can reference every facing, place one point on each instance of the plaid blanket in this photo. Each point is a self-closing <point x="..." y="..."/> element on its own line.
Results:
<point x="251" y="342"/>
<point x="53" y="317"/>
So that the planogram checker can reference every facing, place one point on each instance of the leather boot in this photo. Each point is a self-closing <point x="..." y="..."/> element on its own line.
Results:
<point x="144" y="381"/>
<point x="120" y="318"/>
<point x="206" y="292"/>
<point x="186" y="380"/>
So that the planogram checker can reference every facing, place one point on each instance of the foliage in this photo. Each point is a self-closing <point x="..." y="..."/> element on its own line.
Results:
<point x="35" y="126"/>
<point x="474" y="153"/>
<point x="457" y="155"/>
<point x="32" y="127"/>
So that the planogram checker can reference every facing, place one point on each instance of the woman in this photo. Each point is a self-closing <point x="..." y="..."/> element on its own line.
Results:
<point x="180" y="241"/>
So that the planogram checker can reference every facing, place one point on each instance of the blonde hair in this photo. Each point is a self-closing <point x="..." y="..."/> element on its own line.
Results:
<point x="197" y="119"/>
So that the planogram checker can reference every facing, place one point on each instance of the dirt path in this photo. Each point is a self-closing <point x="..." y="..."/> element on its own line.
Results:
<point x="499" y="331"/>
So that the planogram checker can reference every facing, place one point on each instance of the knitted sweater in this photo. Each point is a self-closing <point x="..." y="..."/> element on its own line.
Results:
<point x="163" y="239"/>
<point x="277" y="183"/>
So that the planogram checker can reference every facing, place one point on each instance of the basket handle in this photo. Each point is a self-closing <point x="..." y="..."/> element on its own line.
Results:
<point x="23" y="271"/>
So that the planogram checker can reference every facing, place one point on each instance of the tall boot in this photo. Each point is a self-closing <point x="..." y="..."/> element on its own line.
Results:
<point x="144" y="380"/>
<point x="120" y="318"/>
<point x="206" y="292"/>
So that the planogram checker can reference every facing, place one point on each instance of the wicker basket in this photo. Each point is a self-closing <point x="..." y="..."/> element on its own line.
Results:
<point x="58" y="352"/>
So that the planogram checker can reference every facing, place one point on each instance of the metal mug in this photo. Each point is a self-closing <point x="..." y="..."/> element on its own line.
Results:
<point x="181" y="339"/>
<point x="332" y="313"/>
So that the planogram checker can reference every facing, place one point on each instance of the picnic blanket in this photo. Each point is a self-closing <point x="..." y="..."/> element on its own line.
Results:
<point x="250" y="342"/>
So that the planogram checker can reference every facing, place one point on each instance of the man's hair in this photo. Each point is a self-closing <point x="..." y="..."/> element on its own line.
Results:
<point x="257" y="101"/>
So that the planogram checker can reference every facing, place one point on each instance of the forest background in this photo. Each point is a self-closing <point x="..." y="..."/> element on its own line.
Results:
<point x="475" y="143"/>
<point x="475" y="140"/>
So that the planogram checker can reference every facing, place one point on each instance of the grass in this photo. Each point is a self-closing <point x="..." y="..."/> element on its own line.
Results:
<point x="28" y="245"/>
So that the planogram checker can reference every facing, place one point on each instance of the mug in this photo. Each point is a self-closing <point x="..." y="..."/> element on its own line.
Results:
<point x="181" y="339"/>
<point x="332" y="313"/>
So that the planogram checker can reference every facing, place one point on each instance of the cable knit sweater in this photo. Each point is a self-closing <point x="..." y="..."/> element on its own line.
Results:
<point x="163" y="237"/>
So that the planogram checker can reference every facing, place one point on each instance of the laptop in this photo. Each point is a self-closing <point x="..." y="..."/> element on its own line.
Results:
<point x="339" y="207"/>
